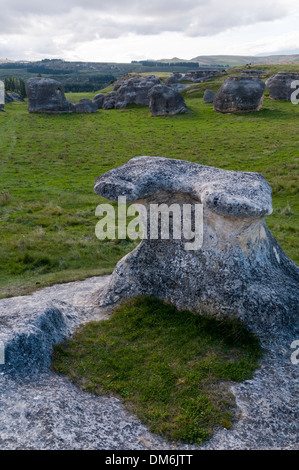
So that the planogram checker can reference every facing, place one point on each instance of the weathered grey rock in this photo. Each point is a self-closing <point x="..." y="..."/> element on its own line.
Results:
<point x="8" y="98"/>
<point x="240" y="94"/>
<point x="173" y="79"/>
<point x="208" y="96"/>
<point x="31" y="325"/>
<point x="46" y="95"/>
<point x="86" y="106"/>
<point x="99" y="100"/>
<point x="164" y="100"/>
<point x="16" y="97"/>
<point x="279" y="85"/>
<point x="135" y="91"/>
<point x="110" y="100"/>
<point x="240" y="270"/>
<point x="42" y="410"/>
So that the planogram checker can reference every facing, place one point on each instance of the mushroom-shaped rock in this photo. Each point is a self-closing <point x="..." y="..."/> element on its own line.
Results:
<point x="165" y="100"/>
<point x="208" y="96"/>
<point x="239" y="270"/>
<point x="240" y="94"/>
<point x="99" y="100"/>
<point x="86" y="106"/>
<point x="280" y="85"/>
<point x="46" y="95"/>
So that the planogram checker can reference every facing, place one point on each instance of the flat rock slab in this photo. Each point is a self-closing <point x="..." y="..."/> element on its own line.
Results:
<point x="31" y="325"/>
<point x="45" y="411"/>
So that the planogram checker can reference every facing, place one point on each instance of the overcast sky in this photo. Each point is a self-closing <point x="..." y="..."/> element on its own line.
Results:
<point x="125" y="30"/>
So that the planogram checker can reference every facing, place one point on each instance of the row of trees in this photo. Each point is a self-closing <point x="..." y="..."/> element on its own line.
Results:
<point x="16" y="85"/>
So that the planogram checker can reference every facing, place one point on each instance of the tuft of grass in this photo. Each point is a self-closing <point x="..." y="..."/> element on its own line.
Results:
<point x="172" y="368"/>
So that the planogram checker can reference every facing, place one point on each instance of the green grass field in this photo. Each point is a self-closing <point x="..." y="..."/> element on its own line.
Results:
<point x="173" y="369"/>
<point x="49" y="164"/>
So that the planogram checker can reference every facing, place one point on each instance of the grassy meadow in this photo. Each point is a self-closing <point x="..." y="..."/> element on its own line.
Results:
<point x="49" y="164"/>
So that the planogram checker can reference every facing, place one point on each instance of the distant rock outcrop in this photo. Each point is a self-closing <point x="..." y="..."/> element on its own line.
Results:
<point x="208" y="96"/>
<point x="46" y="95"/>
<point x="198" y="76"/>
<point x="86" y="106"/>
<point x="279" y="85"/>
<point x="240" y="94"/>
<point x="238" y="270"/>
<point x="164" y="100"/>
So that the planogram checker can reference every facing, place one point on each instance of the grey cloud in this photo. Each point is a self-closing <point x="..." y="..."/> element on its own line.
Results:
<point x="72" y="21"/>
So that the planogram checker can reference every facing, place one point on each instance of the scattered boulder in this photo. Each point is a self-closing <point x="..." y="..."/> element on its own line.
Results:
<point x="208" y="96"/>
<point x="175" y="78"/>
<point x="46" y="95"/>
<point x="239" y="271"/>
<point x="86" y="106"/>
<point x="110" y="100"/>
<point x="279" y="85"/>
<point x="240" y="94"/>
<point x="99" y="100"/>
<point x="164" y="100"/>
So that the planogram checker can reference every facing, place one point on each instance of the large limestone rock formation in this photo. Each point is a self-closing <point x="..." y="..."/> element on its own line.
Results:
<point x="279" y="85"/>
<point x="164" y="100"/>
<point x="134" y="91"/>
<point x="240" y="94"/>
<point x="239" y="271"/>
<point x="46" y="95"/>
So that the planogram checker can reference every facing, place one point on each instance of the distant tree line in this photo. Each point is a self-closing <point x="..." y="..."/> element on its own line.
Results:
<point x="47" y="70"/>
<point x="93" y="83"/>
<point x="16" y="85"/>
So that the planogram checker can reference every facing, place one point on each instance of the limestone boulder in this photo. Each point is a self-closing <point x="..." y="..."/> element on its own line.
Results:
<point x="99" y="100"/>
<point x="208" y="96"/>
<point x="8" y="98"/>
<point x="280" y="85"/>
<point x="164" y="100"/>
<point x="240" y="94"/>
<point x="110" y="100"/>
<point x="239" y="271"/>
<point x="46" y="95"/>
<point x="86" y="106"/>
